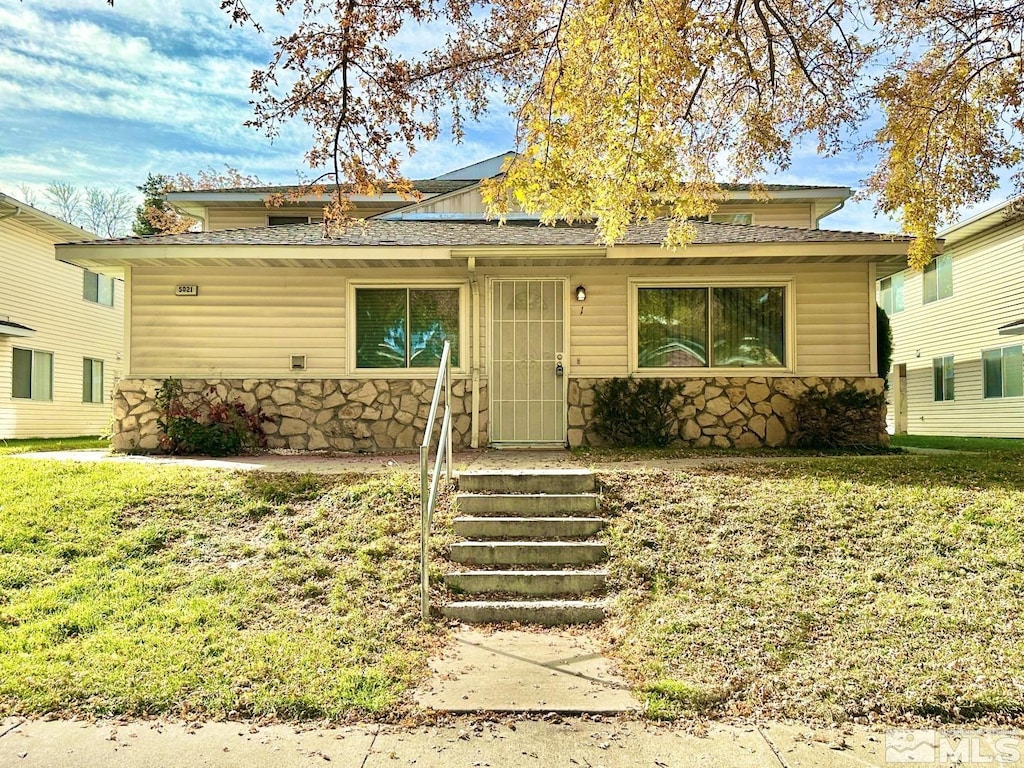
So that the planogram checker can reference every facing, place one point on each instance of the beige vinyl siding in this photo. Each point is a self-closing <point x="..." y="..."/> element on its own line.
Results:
<point x="244" y="322"/>
<point x="46" y="295"/>
<point x="833" y="305"/>
<point x="249" y="321"/>
<point x="775" y="214"/>
<point x="765" y="214"/>
<point x="243" y="218"/>
<point x="468" y="201"/>
<point x="988" y="291"/>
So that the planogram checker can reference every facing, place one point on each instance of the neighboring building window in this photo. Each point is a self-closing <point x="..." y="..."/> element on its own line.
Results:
<point x="92" y="380"/>
<point x="283" y="221"/>
<point x="890" y="294"/>
<point x="1004" y="371"/>
<point x="32" y="375"/>
<point x="98" y="288"/>
<point x="731" y="218"/>
<point x="713" y="327"/>
<point x="942" y="376"/>
<point x="405" y="327"/>
<point x="938" y="278"/>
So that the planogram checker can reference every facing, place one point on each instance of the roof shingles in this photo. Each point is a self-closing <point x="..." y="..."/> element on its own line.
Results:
<point x="460" y="234"/>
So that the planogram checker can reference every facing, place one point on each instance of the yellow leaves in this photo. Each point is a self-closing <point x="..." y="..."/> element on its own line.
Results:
<point x="645" y="105"/>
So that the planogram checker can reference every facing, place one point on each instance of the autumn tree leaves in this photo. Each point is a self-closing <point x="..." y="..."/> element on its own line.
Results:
<point x="629" y="109"/>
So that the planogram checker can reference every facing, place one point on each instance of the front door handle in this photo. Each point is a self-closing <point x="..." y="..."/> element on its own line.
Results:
<point x="559" y="369"/>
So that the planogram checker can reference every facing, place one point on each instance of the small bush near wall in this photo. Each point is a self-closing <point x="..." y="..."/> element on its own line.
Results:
<point x="202" y="422"/>
<point x="846" y="418"/>
<point x="635" y="411"/>
<point x="884" y="344"/>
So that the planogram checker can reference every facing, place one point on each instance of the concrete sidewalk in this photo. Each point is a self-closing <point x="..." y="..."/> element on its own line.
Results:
<point x="555" y="743"/>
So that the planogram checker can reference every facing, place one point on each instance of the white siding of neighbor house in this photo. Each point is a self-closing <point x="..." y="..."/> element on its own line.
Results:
<point x="988" y="291"/>
<point x="247" y="322"/>
<point x="46" y="295"/>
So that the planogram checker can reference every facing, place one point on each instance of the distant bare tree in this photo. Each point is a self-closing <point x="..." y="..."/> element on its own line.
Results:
<point x="64" y="201"/>
<point x="28" y="195"/>
<point x="108" y="214"/>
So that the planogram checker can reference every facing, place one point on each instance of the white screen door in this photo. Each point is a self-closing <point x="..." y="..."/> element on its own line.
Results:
<point x="527" y="392"/>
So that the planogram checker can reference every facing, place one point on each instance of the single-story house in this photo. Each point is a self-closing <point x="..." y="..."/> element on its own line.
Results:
<point x="61" y="331"/>
<point x="958" y="332"/>
<point x="338" y="337"/>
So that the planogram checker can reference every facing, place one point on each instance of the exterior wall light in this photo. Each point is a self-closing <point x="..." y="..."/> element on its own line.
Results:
<point x="581" y="293"/>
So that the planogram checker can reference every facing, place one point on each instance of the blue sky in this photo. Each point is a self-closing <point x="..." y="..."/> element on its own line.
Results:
<point x="100" y="96"/>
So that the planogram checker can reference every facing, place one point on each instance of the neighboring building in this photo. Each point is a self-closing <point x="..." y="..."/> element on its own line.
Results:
<point x="958" y="332"/>
<point x="61" y="331"/>
<point x="338" y="338"/>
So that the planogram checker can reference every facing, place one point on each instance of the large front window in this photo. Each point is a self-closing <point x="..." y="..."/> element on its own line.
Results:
<point x="405" y="327"/>
<point x="33" y="374"/>
<point x="1004" y="371"/>
<point x="711" y="327"/>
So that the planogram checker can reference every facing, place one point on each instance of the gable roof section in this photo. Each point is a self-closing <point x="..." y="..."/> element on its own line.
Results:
<point x="260" y="194"/>
<point x="57" y="229"/>
<point x="416" y="244"/>
<point x="483" y="169"/>
<point x="1015" y="328"/>
<point x="997" y="216"/>
<point x="460" y="234"/>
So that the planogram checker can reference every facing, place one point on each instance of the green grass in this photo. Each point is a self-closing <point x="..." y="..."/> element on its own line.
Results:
<point x="875" y="589"/>
<point x="8" y="447"/>
<point x="202" y="593"/>
<point x="598" y="455"/>
<point x="976" y="444"/>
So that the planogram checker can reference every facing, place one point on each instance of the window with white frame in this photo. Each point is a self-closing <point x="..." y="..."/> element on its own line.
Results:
<point x="405" y="327"/>
<point x="731" y="218"/>
<point x="943" y="378"/>
<point x="938" y="278"/>
<point x="32" y="377"/>
<point x="98" y="289"/>
<point x="92" y="380"/>
<point x="711" y="326"/>
<point x="1003" y="371"/>
<point x="890" y="293"/>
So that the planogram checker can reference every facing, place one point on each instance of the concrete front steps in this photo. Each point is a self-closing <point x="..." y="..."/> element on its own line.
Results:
<point x="530" y="551"/>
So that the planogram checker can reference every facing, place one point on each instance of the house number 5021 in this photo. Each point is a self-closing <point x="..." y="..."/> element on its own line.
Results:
<point x="186" y="290"/>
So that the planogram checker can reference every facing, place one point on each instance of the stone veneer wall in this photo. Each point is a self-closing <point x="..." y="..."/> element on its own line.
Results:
<point x="311" y="414"/>
<point x="390" y="414"/>
<point x="727" y="412"/>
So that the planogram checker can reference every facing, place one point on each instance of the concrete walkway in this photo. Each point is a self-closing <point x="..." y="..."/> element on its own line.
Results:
<point x="522" y="671"/>
<point x="553" y="742"/>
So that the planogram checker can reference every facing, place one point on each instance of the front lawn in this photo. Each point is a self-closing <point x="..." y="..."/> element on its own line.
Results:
<point x="972" y="444"/>
<point x="160" y="589"/>
<point x="9" y="447"/>
<point x="879" y="588"/>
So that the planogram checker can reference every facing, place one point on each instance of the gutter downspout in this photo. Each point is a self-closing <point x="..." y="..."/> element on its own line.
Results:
<point x="11" y="214"/>
<point x="474" y="286"/>
<point x="817" y="219"/>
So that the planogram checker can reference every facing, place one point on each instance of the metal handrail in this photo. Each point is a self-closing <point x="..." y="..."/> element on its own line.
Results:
<point x="429" y="481"/>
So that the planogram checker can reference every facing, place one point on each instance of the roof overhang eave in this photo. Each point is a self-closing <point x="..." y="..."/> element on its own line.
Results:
<point x="890" y="256"/>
